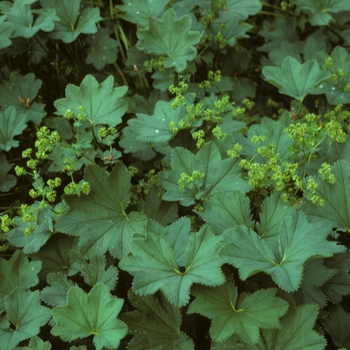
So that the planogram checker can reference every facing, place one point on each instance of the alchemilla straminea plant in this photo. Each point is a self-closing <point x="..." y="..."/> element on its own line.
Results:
<point x="174" y="174"/>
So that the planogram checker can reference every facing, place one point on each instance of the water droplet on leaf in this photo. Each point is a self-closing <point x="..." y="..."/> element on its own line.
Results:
<point x="157" y="131"/>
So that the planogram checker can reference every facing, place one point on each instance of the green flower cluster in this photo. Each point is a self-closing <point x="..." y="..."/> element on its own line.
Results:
<point x="193" y="181"/>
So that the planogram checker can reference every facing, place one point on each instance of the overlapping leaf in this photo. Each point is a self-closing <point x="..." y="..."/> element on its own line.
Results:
<point x="26" y="316"/>
<point x="336" y="91"/>
<point x="17" y="272"/>
<point x="99" y="218"/>
<point x="6" y="29"/>
<point x="170" y="37"/>
<point x="298" y="241"/>
<point x="155" y="128"/>
<point x="319" y="11"/>
<point x="139" y="11"/>
<point x="242" y="315"/>
<point x="225" y="210"/>
<point x="72" y="22"/>
<point x="102" y="102"/>
<point x="56" y="293"/>
<point x="155" y="322"/>
<point x="336" y="208"/>
<point x="20" y="91"/>
<point x="219" y="174"/>
<point x="7" y="181"/>
<point x="295" y="79"/>
<point x="23" y="20"/>
<point x="102" y="49"/>
<point x="339" y="285"/>
<point x="337" y="324"/>
<point x="159" y="264"/>
<point x="90" y="314"/>
<point x="296" y="333"/>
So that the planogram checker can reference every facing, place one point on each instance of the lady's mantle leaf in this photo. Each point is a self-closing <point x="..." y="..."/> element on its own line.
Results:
<point x="244" y="317"/>
<point x="156" y="323"/>
<point x="6" y="30"/>
<point x="139" y="11"/>
<point x="11" y="124"/>
<point x="101" y="101"/>
<point x="153" y="263"/>
<point x="56" y="293"/>
<point x="298" y="241"/>
<point x="219" y="174"/>
<point x="226" y="210"/>
<point x="7" y="181"/>
<point x="319" y="10"/>
<point x="296" y="333"/>
<point x="339" y="284"/>
<point x="102" y="49"/>
<point x="156" y="128"/>
<point x="171" y="38"/>
<point x="336" y="91"/>
<point x="17" y="272"/>
<point x="19" y="92"/>
<point x="22" y="17"/>
<point x="336" y="208"/>
<point x="26" y="315"/>
<point x="295" y="79"/>
<point x="90" y="314"/>
<point x="99" y="218"/>
<point x="69" y="27"/>
<point x="337" y="324"/>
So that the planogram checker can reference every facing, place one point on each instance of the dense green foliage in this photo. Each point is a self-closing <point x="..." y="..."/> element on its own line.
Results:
<point x="175" y="174"/>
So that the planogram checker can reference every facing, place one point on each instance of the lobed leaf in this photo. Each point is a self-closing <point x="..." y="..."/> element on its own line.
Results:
<point x="90" y="314"/>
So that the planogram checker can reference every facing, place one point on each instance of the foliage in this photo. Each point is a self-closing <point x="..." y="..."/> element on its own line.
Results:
<point x="174" y="174"/>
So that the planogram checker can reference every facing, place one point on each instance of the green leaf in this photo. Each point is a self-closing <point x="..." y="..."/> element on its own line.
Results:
<point x="56" y="293"/>
<point x="11" y="124"/>
<point x="155" y="128"/>
<point x="226" y="210"/>
<point x="6" y="29"/>
<point x="22" y="18"/>
<point x="339" y="284"/>
<point x="155" y="266"/>
<point x="298" y="241"/>
<point x="296" y="333"/>
<point x="336" y="208"/>
<point x="233" y="28"/>
<point x="94" y="271"/>
<point x="171" y="38"/>
<point x="273" y="210"/>
<point x="102" y="213"/>
<point x="243" y="316"/>
<point x="36" y="344"/>
<point x="295" y="79"/>
<point x="337" y="324"/>
<point x="319" y="10"/>
<point x="17" y="272"/>
<point x="315" y="276"/>
<point x="241" y="8"/>
<point x="102" y="102"/>
<point x="102" y="49"/>
<point x="156" y="209"/>
<point x="336" y="91"/>
<point x="26" y="316"/>
<point x="32" y="243"/>
<point x="155" y="322"/>
<point x="139" y="11"/>
<point x="55" y="255"/>
<point x="72" y="24"/>
<point x="90" y="314"/>
<point x="7" y="181"/>
<point x="219" y="175"/>
<point x="19" y="92"/>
